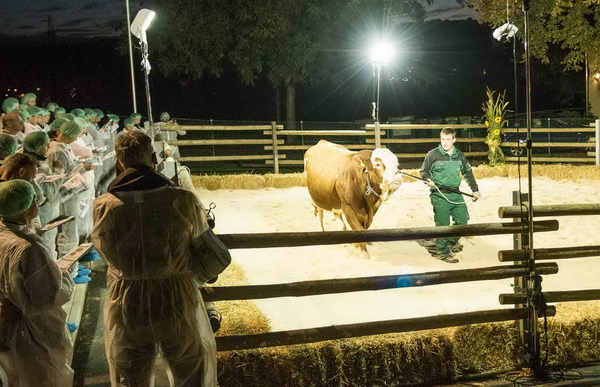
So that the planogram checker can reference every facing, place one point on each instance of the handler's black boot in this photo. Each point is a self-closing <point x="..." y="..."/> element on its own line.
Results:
<point x="457" y="248"/>
<point x="446" y="257"/>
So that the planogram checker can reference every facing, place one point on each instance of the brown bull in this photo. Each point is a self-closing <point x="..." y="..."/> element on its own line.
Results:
<point x="350" y="183"/>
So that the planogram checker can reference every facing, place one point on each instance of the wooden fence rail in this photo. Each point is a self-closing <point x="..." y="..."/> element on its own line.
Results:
<point x="347" y="285"/>
<point x="550" y="210"/>
<point x="550" y="253"/>
<point x="290" y="239"/>
<point x="334" y="332"/>
<point x="560" y="296"/>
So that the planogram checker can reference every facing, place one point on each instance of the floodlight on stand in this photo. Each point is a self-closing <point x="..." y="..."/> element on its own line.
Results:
<point x="141" y="23"/>
<point x="138" y="29"/>
<point x="596" y="76"/>
<point x="381" y="53"/>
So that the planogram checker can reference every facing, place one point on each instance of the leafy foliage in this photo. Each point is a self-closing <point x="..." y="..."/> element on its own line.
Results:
<point x="495" y="109"/>
<point x="573" y="25"/>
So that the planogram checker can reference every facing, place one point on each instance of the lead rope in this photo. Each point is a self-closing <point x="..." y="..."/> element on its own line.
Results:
<point x="471" y="208"/>
<point x="369" y="189"/>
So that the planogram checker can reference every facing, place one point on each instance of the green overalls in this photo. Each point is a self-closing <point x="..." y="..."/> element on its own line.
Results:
<point x="445" y="168"/>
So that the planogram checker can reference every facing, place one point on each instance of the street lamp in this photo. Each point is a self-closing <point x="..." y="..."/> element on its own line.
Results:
<point x="138" y="29"/>
<point x="381" y="53"/>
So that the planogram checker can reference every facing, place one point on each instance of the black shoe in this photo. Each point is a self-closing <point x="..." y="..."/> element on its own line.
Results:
<point x="457" y="248"/>
<point x="446" y="257"/>
<point x="215" y="320"/>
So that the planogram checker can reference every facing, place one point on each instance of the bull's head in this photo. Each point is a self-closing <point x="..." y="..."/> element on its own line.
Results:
<point x="385" y="165"/>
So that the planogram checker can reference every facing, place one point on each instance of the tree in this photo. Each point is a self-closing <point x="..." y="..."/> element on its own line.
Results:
<point x="571" y="25"/>
<point x="288" y="41"/>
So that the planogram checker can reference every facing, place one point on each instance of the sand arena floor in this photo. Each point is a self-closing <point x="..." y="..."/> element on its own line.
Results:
<point x="285" y="210"/>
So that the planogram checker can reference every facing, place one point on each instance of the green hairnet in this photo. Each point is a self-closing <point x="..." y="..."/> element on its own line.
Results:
<point x="34" y="141"/>
<point x="28" y="97"/>
<point x="34" y="111"/>
<point x="89" y="112"/>
<point x="136" y="116"/>
<point x="113" y="117"/>
<point x="55" y="126"/>
<point x="70" y="129"/>
<point x="8" y="145"/>
<point x="52" y="106"/>
<point x="10" y="104"/>
<point x="164" y="115"/>
<point x="99" y="113"/>
<point x="128" y="122"/>
<point x="16" y="197"/>
<point x="81" y="121"/>
<point x="78" y="112"/>
<point x="23" y="114"/>
<point x="59" y="110"/>
<point x="44" y="112"/>
<point x="68" y="116"/>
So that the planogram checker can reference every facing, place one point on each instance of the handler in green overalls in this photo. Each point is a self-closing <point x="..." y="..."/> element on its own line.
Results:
<point x="443" y="166"/>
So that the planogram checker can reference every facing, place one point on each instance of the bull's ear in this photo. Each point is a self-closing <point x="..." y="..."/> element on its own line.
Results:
<point x="362" y="159"/>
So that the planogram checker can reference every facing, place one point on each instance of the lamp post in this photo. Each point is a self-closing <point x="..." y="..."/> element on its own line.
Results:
<point x="138" y="29"/>
<point x="380" y="55"/>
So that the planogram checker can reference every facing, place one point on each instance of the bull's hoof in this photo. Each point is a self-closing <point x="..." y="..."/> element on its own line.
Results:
<point x="365" y="255"/>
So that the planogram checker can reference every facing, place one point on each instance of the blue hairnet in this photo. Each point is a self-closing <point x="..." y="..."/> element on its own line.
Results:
<point x="16" y="197"/>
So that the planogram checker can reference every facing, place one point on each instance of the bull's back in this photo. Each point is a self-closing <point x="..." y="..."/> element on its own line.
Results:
<point x="321" y="164"/>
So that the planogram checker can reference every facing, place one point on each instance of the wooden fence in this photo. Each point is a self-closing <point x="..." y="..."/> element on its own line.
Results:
<point x="333" y="286"/>
<point x="276" y="146"/>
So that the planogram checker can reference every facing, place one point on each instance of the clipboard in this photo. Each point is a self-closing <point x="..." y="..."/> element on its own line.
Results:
<point x="54" y="223"/>
<point x="71" y="258"/>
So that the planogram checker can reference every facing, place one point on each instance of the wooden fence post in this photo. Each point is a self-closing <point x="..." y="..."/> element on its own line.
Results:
<point x="377" y="136"/>
<point x="597" y="147"/>
<point x="520" y="284"/>
<point x="275" y="151"/>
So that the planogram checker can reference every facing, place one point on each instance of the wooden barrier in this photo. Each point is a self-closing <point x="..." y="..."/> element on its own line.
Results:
<point x="177" y="128"/>
<point x="551" y="253"/>
<point x="346" y="285"/>
<point x="334" y="332"/>
<point x="228" y="158"/>
<point x="290" y="239"/>
<point x="554" y="159"/>
<point x="550" y="210"/>
<point x="561" y="296"/>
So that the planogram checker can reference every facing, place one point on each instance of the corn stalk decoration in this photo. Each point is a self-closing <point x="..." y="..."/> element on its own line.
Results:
<point x="495" y="109"/>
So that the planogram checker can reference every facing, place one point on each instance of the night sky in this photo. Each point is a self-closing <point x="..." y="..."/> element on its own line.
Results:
<point x="94" y="18"/>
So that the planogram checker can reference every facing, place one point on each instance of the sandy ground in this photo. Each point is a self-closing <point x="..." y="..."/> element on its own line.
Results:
<point x="272" y="210"/>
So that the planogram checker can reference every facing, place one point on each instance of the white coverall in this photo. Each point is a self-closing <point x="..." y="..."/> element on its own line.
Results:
<point x="84" y="224"/>
<point x="153" y="295"/>
<point x="36" y="335"/>
<point x="50" y="209"/>
<point x="61" y="160"/>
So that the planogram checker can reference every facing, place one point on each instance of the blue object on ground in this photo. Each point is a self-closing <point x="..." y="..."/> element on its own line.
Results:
<point x="81" y="279"/>
<point x="84" y="272"/>
<point x="82" y="267"/>
<point x="72" y="327"/>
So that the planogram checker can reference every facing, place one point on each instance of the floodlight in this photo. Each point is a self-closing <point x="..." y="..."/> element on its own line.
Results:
<point x="596" y="76"/>
<point x="381" y="53"/>
<point x="141" y="23"/>
<point x="506" y="30"/>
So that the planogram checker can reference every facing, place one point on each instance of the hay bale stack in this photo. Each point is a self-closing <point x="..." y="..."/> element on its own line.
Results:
<point x="402" y="358"/>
